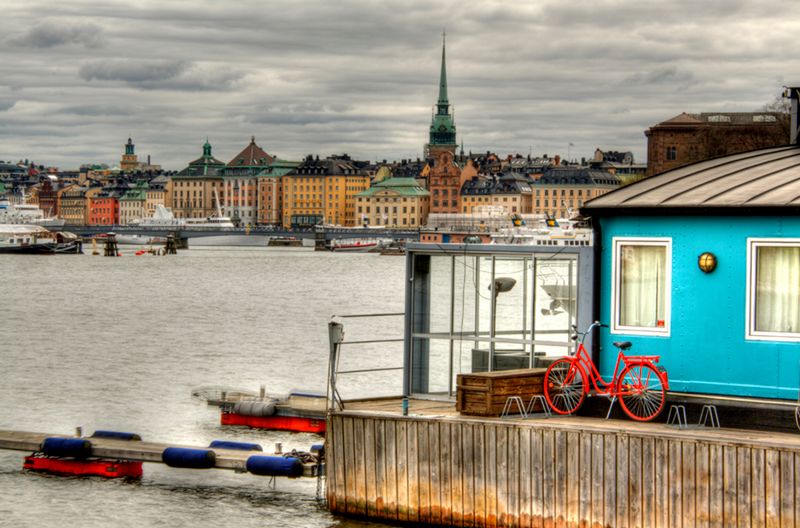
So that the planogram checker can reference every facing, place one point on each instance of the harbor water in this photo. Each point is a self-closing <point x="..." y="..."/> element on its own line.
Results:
<point x="119" y="343"/>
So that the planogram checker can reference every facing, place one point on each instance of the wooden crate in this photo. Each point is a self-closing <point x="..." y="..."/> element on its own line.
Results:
<point x="485" y="393"/>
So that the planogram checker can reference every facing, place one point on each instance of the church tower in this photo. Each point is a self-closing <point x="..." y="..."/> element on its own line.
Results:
<point x="129" y="160"/>
<point x="444" y="177"/>
<point x="443" y="127"/>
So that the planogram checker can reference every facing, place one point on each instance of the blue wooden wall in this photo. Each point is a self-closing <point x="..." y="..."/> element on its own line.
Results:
<point x="706" y="351"/>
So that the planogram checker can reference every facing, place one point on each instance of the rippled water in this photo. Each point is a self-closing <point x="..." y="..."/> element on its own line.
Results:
<point x="118" y="343"/>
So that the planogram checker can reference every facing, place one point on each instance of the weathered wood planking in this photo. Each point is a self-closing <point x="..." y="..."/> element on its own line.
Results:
<point x="545" y="473"/>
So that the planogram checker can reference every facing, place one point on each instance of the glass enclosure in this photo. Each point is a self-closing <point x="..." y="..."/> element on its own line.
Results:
<point x="487" y="312"/>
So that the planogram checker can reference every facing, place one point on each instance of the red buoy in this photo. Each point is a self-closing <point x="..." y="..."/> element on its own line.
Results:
<point x="94" y="467"/>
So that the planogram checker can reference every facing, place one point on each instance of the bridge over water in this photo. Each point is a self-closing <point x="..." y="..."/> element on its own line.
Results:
<point x="317" y="233"/>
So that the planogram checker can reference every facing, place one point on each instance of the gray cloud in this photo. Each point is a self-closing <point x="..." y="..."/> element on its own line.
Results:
<point x="161" y="74"/>
<point x="52" y="33"/>
<point x="362" y="77"/>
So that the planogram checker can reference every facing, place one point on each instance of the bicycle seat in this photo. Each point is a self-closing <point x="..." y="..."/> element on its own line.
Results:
<point x="623" y="345"/>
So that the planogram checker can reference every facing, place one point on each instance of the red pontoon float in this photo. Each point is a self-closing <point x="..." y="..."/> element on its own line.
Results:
<point x="89" y="467"/>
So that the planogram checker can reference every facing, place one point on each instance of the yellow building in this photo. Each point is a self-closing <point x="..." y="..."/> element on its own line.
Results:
<point x="156" y="195"/>
<point x="561" y="191"/>
<point x="398" y="203"/>
<point x="322" y="192"/>
<point x="195" y="192"/>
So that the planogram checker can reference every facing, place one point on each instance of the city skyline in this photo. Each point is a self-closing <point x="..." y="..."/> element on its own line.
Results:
<point x="362" y="78"/>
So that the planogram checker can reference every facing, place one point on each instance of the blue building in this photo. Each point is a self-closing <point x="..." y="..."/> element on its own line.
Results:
<point x="701" y="265"/>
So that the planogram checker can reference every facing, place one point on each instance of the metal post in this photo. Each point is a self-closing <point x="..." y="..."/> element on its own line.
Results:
<point x="452" y="323"/>
<point x="335" y="338"/>
<point x="493" y="315"/>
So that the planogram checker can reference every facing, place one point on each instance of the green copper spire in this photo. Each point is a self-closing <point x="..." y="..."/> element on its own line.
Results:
<point x="443" y="129"/>
<point x="207" y="149"/>
<point x="442" y="102"/>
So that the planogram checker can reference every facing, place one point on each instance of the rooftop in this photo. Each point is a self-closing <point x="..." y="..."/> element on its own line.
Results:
<point x="759" y="179"/>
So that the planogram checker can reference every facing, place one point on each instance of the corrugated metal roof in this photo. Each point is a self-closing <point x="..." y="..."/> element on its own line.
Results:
<point x="756" y="179"/>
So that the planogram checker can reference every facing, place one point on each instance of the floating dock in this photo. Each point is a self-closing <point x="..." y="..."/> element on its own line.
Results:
<point x="140" y="451"/>
<point x="438" y="468"/>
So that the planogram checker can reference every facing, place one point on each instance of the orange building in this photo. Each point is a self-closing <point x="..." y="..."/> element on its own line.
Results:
<point x="104" y="208"/>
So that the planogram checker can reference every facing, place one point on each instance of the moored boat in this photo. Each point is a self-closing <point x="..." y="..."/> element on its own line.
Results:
<point x="301" y="412"/>
<point x="26" y="239"/>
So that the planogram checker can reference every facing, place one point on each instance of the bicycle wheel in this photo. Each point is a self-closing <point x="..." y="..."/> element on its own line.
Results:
<point x="641" y="392"/>
<point x="564" y="386"/>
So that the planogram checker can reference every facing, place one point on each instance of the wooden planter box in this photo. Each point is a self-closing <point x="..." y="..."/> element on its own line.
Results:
<point x="485" y="393"/>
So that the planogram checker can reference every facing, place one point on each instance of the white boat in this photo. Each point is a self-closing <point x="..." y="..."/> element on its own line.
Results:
<point x="140" y="240"/>
<point x="164" y="219"/>
<point x="27" y="238"/>
<point x="26" y="214"/>
<point x="546" y="232"/>
<point x="355" y="244"/>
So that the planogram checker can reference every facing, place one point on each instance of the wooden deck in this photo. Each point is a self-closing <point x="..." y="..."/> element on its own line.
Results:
<point x="131" y="450"/>
<point x="438" y="468"/>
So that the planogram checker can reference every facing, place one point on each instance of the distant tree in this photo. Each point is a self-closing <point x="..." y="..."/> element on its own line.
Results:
<point x="780" y="105"/>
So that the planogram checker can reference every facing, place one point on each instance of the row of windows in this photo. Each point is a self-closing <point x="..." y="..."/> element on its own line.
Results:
<point x="642" y="274"/>
<point x="564" y="192"/>
<point x="453" y="203"/>
<point x="386" y="209"/>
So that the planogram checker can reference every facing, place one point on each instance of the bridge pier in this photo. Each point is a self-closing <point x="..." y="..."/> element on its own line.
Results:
<point x="320" y="242"/>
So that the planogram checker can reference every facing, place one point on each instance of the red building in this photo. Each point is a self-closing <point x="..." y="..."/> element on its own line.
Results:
<point x="104" y="209"/>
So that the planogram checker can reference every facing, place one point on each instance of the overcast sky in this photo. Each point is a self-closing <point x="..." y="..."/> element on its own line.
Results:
<point x="77" y="77"/>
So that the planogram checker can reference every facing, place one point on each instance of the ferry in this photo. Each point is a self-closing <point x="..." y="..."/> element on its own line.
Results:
<point x="26" y="214"/>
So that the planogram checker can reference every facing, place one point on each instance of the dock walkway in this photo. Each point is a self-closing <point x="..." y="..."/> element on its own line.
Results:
<point x="135" y="451"/>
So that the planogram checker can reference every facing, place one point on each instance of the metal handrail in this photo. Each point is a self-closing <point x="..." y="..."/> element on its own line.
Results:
<point x="336" y="338"/>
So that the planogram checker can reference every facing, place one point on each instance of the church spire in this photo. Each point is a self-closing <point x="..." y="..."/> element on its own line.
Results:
<point x="443" y="128"/>
<point x="443" y="103"/>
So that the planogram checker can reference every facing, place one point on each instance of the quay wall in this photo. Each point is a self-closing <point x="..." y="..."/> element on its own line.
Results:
<point x="544" y="473"/>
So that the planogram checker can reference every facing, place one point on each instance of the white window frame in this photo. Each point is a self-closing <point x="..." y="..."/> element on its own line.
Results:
<point x="616" y="244"/>
<point x="750" y="332"/>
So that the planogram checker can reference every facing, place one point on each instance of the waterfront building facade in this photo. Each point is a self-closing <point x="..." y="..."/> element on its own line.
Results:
<point x="399" y="203"/>
<point x="196" y="190"/>
<point x="322" y="191"/>
<point x="270" y="191"/>
<point x="103" y="208"/>
<point x="156" y="194"/>
<point x="688" y="138"/>
<point x="562" y="190"/>
<point x="74" y="204"/>
<point x="240" y="184"/>
<point x="133" y="203"/>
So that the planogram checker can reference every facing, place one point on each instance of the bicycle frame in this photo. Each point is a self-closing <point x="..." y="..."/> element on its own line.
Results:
<point x="583" y="360"/>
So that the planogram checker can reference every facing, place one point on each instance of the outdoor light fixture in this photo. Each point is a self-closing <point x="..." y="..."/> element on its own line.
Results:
<point x="707" y="262"/>
<point x="502" y="285"/>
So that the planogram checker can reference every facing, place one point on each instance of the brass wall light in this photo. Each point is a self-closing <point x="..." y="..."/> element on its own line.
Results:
<point x="707" y="262"/>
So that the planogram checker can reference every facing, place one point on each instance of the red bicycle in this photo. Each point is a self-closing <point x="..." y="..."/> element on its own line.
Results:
<point x="641" y="386"/>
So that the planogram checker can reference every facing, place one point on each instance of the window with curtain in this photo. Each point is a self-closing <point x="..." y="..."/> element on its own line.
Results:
<point x="774" y="289"/>
<point x="641" y="286"/>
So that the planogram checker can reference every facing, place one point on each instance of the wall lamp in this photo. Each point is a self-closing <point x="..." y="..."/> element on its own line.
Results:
<point x="707" y="262"/>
